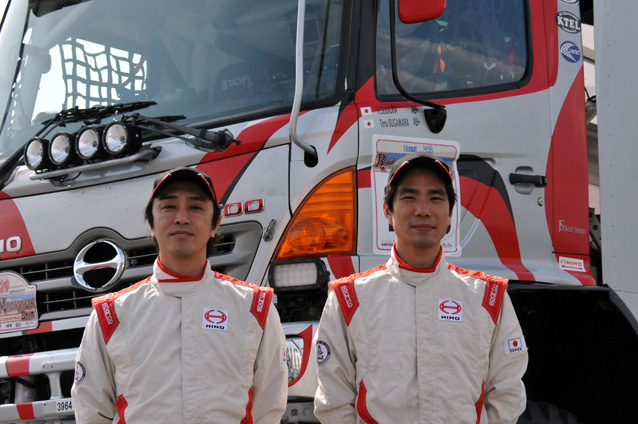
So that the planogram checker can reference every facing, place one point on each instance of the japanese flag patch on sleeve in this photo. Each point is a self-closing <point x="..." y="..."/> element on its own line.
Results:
<point x="515" y="345"/>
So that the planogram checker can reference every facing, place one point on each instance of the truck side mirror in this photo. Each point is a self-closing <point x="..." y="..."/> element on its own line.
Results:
<point x="413" y="11"/>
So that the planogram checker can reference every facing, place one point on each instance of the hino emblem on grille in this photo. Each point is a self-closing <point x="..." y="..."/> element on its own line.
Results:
<point x="99" y="265"/>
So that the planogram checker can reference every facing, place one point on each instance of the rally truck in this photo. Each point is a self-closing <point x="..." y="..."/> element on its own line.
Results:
<point x="297" y="110"/>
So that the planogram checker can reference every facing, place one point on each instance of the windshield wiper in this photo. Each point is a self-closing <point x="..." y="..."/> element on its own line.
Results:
<point x="92" y="115"/>
<point x="202" y="139"/>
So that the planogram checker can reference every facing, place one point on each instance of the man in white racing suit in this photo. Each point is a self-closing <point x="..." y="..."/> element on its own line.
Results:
<point x="418" y="340"/>
<point x="187" y="344"/>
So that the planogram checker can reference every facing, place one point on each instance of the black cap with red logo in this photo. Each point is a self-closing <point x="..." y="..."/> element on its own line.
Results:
<point x="419" y="160"/>
<point x="185" y="174"/>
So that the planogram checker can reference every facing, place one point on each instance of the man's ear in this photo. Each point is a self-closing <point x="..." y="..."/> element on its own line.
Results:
<point x="213" y="231"/>
<point x="387" y="213"/>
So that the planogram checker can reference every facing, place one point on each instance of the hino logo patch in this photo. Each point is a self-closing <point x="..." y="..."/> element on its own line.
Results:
<point x="215" y="319"/>
<point x="515" y="345"/>
<point x="450" y="310"/>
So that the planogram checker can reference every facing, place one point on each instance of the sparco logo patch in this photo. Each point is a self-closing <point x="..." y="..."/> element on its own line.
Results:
<point x="215" y="319"/>
<point x="450" y="310"/>
<point x="323" y="352"/>
<point x="515" y="345"/>
<point x="107" y="313"/>
<point x="493" y="293"/>
<point x="260" y="301"/>
<point x="568" y="22"/>
<point x="346" y="296"/>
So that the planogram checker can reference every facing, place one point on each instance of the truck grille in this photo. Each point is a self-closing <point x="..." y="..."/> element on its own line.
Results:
<point x="58" y="297"/>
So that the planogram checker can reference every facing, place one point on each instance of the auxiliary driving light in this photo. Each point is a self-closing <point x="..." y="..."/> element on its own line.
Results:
<point x="61" y="150"/>
<point x="119" y="138"/>
<point x="87" y="144"/>
<point x="297" y="274"/>
<point x="35" y="154"/>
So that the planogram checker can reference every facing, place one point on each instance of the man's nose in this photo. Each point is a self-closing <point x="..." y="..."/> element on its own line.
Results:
<point x="181" y="216"/>
<point x="422" y="209"/>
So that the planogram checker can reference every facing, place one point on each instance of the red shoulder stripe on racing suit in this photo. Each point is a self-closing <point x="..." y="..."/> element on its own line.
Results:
<point x="495" y="288"/>
<point x="479" y="404"/>
<point x="121" y="407"/>
<point x="346" y="294"/>
<point x="262" y="298"/>
<point x="105" y="309"/>
<point x="347" y="297"/>
<point x="248" y="419"/>
<point x="362" y="407"/>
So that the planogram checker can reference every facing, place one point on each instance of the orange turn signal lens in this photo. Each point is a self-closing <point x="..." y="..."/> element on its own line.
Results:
<point x="325" y="222"/>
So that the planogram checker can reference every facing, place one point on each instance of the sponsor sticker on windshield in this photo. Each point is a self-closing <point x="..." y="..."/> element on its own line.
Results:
<point x="18" y="308"/>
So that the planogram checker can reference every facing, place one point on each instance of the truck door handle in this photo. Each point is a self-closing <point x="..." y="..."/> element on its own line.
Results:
<point x="537" y="180"/>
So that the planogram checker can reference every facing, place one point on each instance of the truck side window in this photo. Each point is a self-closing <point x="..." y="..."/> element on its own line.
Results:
<point x="474" y="44"/>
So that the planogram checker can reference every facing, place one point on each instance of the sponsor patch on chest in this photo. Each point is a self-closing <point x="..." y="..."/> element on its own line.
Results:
<point x="515" y="345"/>
<point x="450" y="310"/>
<point x="215" y="319"/>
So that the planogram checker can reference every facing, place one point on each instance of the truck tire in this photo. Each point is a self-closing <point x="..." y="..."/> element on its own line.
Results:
<point x="546" y="413"/>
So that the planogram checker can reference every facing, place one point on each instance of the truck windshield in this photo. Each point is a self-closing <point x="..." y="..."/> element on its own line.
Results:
<point x="206" y="60"/>
<point x="474" y="45"/>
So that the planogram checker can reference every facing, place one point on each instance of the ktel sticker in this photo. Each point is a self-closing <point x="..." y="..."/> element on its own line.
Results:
<point x="215" y="319"/>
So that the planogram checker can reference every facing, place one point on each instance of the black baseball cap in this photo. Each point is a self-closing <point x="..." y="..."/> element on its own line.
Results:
<point x="419" y="160"/>
<point x="185" y="174"/>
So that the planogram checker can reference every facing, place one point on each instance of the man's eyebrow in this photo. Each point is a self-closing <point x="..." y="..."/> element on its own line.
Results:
<point x="408" y="190"/>
<point x="169" y="196"/>
<point x="438" y="191"/>
<point x="431" y="191"/>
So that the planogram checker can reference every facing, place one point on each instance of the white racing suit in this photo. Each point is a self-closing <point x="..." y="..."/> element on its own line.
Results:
<point x="173" y="349"/>
<point x="403" y="345"/>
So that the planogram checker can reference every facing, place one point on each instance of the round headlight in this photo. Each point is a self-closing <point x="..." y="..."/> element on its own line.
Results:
<point x="35" y="153"/>
<point x="61" y="149"/>
<point x="116" y="138"/>
<point x="87" y="145"/>
<point x="120" y="139"/>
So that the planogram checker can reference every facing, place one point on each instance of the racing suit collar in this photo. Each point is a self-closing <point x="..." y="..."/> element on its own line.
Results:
<point x="171" y="284"/>
<point x="164" y="275"/>
<point x="415" y="276"/>
<point x="407" y="267"/>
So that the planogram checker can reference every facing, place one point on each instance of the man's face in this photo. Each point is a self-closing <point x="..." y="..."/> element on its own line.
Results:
<point x="420" y="216"/>
<point x="183" y="217"/>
